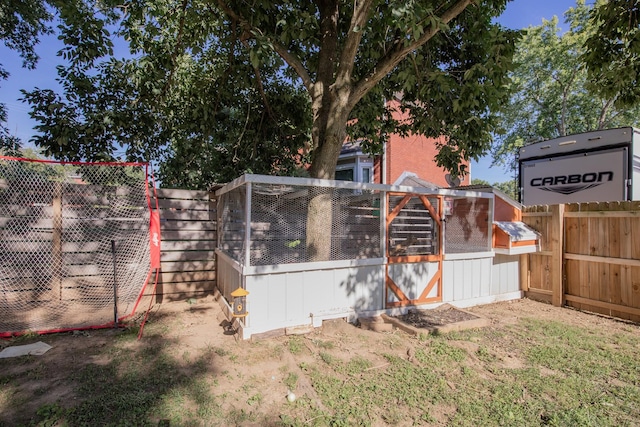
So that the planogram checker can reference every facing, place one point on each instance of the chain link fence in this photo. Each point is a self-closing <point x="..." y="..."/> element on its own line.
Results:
<point x="74" y="239"/>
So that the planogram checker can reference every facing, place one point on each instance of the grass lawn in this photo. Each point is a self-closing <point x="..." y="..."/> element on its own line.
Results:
<point x="534" y="365"/>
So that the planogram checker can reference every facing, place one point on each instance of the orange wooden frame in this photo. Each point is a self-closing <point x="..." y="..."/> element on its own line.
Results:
<point x="390" y="285"/>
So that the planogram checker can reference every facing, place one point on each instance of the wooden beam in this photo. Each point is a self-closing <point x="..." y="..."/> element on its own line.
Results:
<point x="435" y="279"/>
<point x="413" y="258"/>
<point x="427" y="204"/>
<point x="534" y="214"/>
<point x="603" y="214"/>
<point x="538" y="296"/>
<point x="395" y="289"/>
<point x="604" y="260"/>
<point x="413" y="302"/>
<point x="541" y="291"/>
<point x="524" y="272"/>
<point x="397" y="209"/>
<point x="606" y="305"/>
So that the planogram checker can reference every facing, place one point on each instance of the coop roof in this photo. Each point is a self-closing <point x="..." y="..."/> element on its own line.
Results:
<point x="517" y="231"/>
<point x="410" y="179"/>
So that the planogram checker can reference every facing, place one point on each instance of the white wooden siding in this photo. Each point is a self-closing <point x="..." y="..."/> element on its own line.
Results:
<point x="281" y="300"/>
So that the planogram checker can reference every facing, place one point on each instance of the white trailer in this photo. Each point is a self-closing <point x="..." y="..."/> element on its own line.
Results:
<point x="598" y="166"/>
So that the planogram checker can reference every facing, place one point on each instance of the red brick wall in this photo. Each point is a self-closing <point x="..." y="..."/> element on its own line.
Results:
<point x="415" y="154"/>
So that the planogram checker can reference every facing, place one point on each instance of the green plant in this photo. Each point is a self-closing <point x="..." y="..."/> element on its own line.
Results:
<point x="51" y="414"/>
<point x="291" y="381"/>
<point x="327" y="345"/>
<point x="328" y="358"/>
<point x="295" y="345"/>
<point x="221" y="351"/>
<point x="255" y="400"/>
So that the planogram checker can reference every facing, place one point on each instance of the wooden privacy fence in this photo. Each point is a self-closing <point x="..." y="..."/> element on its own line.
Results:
<point x="590" y="257"/>
<point x="188" y="228"/>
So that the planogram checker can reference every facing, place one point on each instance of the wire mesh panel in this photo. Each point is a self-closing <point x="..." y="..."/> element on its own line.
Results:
<point x="467" y="225"/>
<point x="71" y="235"/>
<point x="231" y="223"/>
<point x="356" y="224"/>
<point x="279" y="223"/>
<point x="413" y="230"/>
<point x="278" y="212"/>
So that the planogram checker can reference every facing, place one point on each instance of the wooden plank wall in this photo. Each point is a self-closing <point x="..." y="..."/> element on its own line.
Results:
<point x="188" y="229"/>
<point x="600" y="257"/>
<point x="537" y="281"/>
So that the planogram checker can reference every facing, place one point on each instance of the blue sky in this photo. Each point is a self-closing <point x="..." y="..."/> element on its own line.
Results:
<point x="519" y="14"/>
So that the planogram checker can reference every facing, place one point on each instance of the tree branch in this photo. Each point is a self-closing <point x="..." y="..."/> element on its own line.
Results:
<point x="293" y="61"/>
<point x="263" y="95"/>
<point x="565" y="93"/>
<point x="359" y="19"/>
<point x="603" y="113"/>
<point x="399" y="52"/>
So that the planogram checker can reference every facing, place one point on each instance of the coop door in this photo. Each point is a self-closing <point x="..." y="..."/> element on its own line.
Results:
<point x="414" y="250"/>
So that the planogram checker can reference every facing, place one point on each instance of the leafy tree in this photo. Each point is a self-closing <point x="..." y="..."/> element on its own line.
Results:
<point x="478" y="181"/>
<point x="612" y="51"/>
<point x="510" y="188"/>
<point x="445" y="60"/>
<point x="206" y="116"/>
<point x="551" y="95"/>
<point x="21" y="23"/>
<point x="507" y="187"/>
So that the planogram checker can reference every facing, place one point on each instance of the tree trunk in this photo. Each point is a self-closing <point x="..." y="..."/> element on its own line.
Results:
<point x="323" y="166"/>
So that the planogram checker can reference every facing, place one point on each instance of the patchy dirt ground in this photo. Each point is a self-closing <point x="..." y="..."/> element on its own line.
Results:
<point x="246" y="376"/>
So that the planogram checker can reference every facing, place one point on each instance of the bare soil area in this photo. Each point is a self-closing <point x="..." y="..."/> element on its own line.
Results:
<point x="248" y="381"/>
<point x="441" y="316"/>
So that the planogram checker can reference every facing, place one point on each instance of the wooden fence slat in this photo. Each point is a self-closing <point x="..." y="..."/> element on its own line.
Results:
<point x="187" y="235"/>
<point x="186" y="245"/>
<point x="200" y="265"/>
<point x="195" y="205"/>
<point x="572" y="244"/>
<point x="173" y="256"/>
<point x="187" y="276"/>
<point x="186" y="215"/>
<point x="177" y="225"/>
<point x="583" y="276"/>
<point x="601" y="256"/>
<point x="171" y="193"/>
<point x="614" y="252"/>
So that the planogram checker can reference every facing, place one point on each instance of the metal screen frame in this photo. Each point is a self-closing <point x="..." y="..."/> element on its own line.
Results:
<point x="249" y="180"/>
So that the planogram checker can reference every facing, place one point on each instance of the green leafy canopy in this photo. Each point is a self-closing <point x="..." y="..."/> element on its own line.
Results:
<point x="551" y="94"/>
<point x="612" y="51"/>
<point x="21" y="24"/>
<point x="213" y="89"/>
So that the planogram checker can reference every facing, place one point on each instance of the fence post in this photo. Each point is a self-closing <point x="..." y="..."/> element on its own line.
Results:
<point x="524" y="273"/>
<point x="556" y="246"/>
